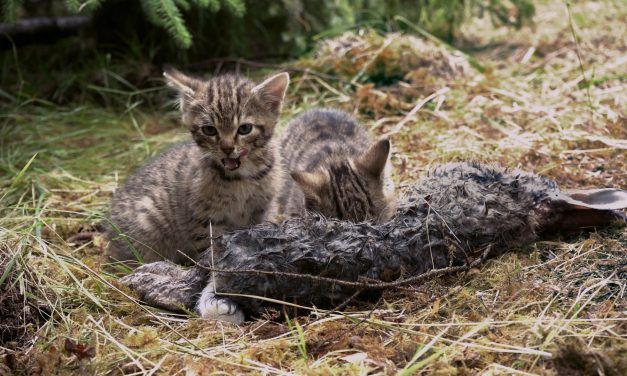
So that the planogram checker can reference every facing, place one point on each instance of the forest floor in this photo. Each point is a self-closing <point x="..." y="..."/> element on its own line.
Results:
<point x="529" y="98"/>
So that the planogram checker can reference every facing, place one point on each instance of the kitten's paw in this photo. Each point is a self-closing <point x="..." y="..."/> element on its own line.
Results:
<point x="211" y="306"/>
<point x="279" y="218"/>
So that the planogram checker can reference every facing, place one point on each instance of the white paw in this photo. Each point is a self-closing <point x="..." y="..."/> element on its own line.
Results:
<point x="211" y="306"/>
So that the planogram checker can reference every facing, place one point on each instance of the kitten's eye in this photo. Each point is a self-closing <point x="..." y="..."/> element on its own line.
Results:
<point x="245" y="128"/>
<point x="208" y="130"/>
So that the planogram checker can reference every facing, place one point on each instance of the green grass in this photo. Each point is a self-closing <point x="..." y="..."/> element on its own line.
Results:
<point x="535" y="310"/>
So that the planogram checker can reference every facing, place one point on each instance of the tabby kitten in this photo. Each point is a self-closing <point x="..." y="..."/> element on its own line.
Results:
<point x="336" y="169"/>
<point x="226" y="177"/>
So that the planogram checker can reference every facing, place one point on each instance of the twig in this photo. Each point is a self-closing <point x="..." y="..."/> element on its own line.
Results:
<point x="213" y="275"/>
<point x="40" y="29"/>
<point x="363" y="285"/>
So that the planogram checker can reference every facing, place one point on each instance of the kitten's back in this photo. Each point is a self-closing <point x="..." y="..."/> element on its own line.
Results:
<point x="318" y="135"/>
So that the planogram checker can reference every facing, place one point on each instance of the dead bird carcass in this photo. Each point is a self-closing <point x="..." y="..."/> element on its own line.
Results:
<point x="457" y="215"/>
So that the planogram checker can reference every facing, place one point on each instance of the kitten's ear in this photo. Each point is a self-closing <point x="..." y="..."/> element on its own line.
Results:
<point x="272" y="91"/>
<point x="311" y="183"/>
<point x="184" y="84"/>
<point x="373" y="160"/>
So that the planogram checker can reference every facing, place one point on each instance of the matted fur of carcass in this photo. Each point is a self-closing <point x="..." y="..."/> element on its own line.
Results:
<point x="447" y="218"/>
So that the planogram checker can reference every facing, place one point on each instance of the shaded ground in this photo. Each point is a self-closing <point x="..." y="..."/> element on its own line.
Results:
<point x="19" y="318"/>
<point x="555" y="308"/>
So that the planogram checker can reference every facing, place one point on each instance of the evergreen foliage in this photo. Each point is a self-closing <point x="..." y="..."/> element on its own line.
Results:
<point x="10" y="9"/>
<point x="166" y="14"/>
<point x="297" y="23"/>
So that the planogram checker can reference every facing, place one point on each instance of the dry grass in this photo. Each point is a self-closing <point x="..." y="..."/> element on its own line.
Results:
<point x="557" y="307"/>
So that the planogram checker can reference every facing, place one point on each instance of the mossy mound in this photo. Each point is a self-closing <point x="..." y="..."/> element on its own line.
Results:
<point x="369" y="56"/>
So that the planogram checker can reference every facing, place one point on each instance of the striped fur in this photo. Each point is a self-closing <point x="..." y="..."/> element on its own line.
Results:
<point x="226" y="179"/>
<point x="336" y="169"/>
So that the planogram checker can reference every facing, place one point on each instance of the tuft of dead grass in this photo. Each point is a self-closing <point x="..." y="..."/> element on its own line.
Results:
<point x="557" y="307"/>
<point x="384" y="59"/>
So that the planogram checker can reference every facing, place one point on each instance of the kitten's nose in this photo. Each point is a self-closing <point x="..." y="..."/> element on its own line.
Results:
<point x="227" y="149"/>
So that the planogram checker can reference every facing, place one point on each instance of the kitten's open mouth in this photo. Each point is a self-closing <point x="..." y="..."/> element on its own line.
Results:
<point x="231" y="163"/>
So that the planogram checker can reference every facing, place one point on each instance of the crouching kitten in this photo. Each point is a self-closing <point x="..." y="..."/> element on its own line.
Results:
<point x="336" y="169"/>
<point x="226" y="177"/>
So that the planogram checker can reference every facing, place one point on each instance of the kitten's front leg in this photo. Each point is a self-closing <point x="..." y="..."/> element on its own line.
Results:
<point x="212" y="306"/>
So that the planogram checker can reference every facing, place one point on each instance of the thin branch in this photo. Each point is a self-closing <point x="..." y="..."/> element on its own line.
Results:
<point x="362" y="285"/>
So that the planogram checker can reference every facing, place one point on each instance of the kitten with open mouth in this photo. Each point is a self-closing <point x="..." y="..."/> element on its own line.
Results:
<point x="225" y="178"/>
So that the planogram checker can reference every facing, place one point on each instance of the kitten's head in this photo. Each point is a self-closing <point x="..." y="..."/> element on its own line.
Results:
<point x="231" y="119"/>
<point x="358" y="189"/>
